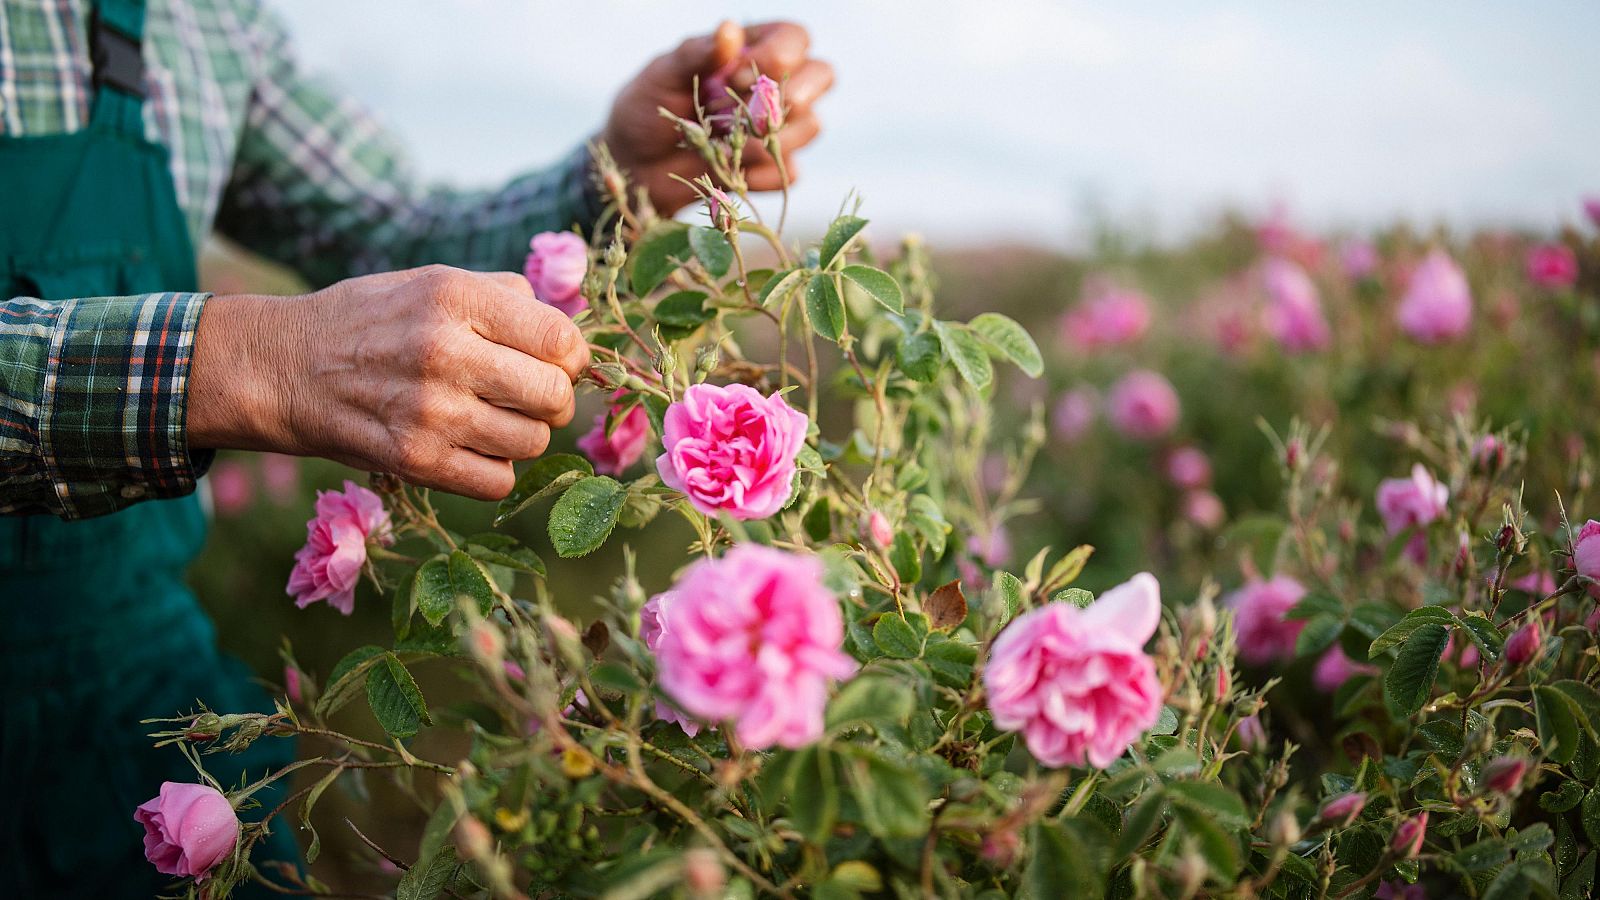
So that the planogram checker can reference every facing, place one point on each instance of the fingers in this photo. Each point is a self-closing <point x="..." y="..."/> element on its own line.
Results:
<point x="514" y="319"/>
<point x="776" y="48"/>
<point x="808" y="83"/>
<point x="703" y="54"/>
<point x="503" y="434"/>
<point x="470" y="475"/>
<point x="515" y="381"/>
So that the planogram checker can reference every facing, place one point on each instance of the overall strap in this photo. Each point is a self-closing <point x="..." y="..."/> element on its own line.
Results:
<point x="116" y="38"/>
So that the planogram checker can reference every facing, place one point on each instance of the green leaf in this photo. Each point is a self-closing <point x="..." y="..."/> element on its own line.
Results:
<point x="585" y="515"/>
<point x="1011" y="341"/>
<point x="893" y="799"/>
<point x="776" y="289"/>
<point x="825" y="307"/>
<point x="1216" y="845"/>
<point x="1141" y="824"/>
<point x="1216" y="801"/>
<point x="871" y="700"/>
<point x="1567" y="796"/>
<point x="928" y="519"/>
<point x="470" y="580"/>
<point x="966" y="352"/>
<point x="813" y="793"/>
<point x="506" y="551"/>
<point x="684" y="309"/>
<point x="839" y="234"/>
<point x="434" y="593"/>
<point x="664" y="248"/>
<point x="1520" y="879"/>
<point x="818" y="521"/>
<point x="1557" y="723"/>
<point x="907" y="561"/>
<point x="1076" y="596"/>
<point x="1483" y="633"/>
<point x="315" y="847"/>
<point x="429" y="877"/>
<point x="879" y="285"/>
<point x="1410" y="680"/>
<point x="1320" y="633"/>
<point x="897" y="637"/>
<point x="711" y="247"/>
<point x="1403" y="629"/>
<point x="395" y="699"/>
<point x="542" y="477"/>
<point x="346" y="679"/>
<point x="1008" y="589"/>
<point x="1585" y="705"/>
<point x="920" y="356"/>
<point x="1067" y="569"/>
<point x="1059" y="866"/>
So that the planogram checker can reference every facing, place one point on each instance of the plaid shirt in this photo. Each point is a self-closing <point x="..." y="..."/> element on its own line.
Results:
<point x="260" y="153"/>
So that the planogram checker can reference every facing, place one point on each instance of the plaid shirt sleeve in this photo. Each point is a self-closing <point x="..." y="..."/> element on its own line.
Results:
<point x="320" y="186"/>
<point x="90" y="415"/>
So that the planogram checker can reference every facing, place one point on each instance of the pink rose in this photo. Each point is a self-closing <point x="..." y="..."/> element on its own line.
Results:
<point x="1408" y="836"/>
<point x="1359" y="258"/>
<point x="1335" y="668"/>
<point x="1586" y="555"/>
<point x="1263" y="633"/>
<point x="1437" y="305"/>
<point x="1108" y="316"/>
<point x="729" y="449"/>
<point x="1293" y="315"/>
<point x="766" y="106"/>
<point x="329" y="565"/>
<point x="1553" y="266"/>
<point x="652" y="626"/>
<point x="612" y="453"/>
<point x="1204" y="509"/>
<point x="1523" y="645"/>
<point x="1074" y="414"/>
<point x="231" y="488"/>
<point x="1342" y="810"/>
<point x="1143" y="405"/>
<point x="878" y="530"/>
<point x="1540" y="584"/>
<point x="754" y="638"/>
<point x="280" y="473"/>
<point x="992" y="546"/>
<point x="291" y="684"/>
<point x="1188" y="467"/>
<point x="556" y="264"/>
<point x="188" y="829"/>
<point x="1076" y="682"/>
<point x="1412" y="503"/>
<point x="1252" y="734"/>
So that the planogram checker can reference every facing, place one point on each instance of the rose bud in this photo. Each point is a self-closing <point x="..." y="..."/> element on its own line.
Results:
<point x="188" y="829"/>
<point x="703" y="873"/>
<point x="1408" y="836"/>
<point x="878" y="530"/>
<point x="1586" y="555"/>
<point x="485" y="642"/>
<point x="205" y="727"/>
<point x="1523" y="646"/>
<point x="1503" y="774"/>
<point x="1285" y="829"/>
<point x="1252" y="736"/>
<point x="1342" y="810"/>
<point x="291" y="684"/>
<point x="473" y="840"/>
<point x="766" y="106"/>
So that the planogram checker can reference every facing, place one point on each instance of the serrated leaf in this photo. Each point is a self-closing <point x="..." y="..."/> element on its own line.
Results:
<point x="893" y="799"/>
<point x="1010" y="340"/>
<point x="512" y="555"/>
<point x="920" y="356"/>
<point x="711" y="247"/>
<point x="684" y="309"/>
<point x="928" y="519"/>
<point x="1585" y="705"/>
<point x="346" y="679"/>
<point x="1557" y="723"/>
<point x="839" y="234"/>
<point x="1410" y="680"/>
<point x="1567" y="796"/>
<point x="813" y="792"/>
<point x="818" y="520"/>
<point x="1483" y="633"/>
<point x="966" y="353"/>
<point x="664" y="248"/>
<point x="469" y="579"/>
<point x="825" y="307"/>
<point x="1059" y="866"/>
<point x="896" y="637"/>
<point x="778" y="288"/>
<point x="907" y="561"/>
<point x="434" y="594"/>
<point x="542" y="477"/>
<point x="585" y="515"/>
<point x="1067" y="569"/>
<point x="1217" y="801"/>
<point x="1141" y="824"/>
<point x="879" y="285"/>
<point x="1009" y="591"/>
<point x="1318" y="634"/>
<point x="429" y="877"/>
<point x="870" y="699"/>
<point x="395" y="699"/>
<point x="1403" y="629"/>
<point x="1217" y="847"/>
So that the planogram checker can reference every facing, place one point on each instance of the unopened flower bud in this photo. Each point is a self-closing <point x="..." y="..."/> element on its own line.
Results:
<point x="1292" y="453"/>
<point x="1001" y="846"/>
<point x="703" y="873"/>
<point x="1523" y="646"/>
<point x="565" y="637"/>
<point x="1490" y="453"/>
<point x="486" y="644"/>
<point x="292" y="686"/>
<point x="616" y="254"/>
<point x="1202" y="618"/>
<point x="1408" y="836"/>
<point x="1252" y="735"/>
<point x="205" y="727"/>
<point x="878" y="530"/>
<point x="1342" y="810"/>
<point x="1503" y="774"/>
<point x="1506" y="536"/>
<point x="1285" y="829"/>
<point x="1224" y="683"/>
<point x="473" y="840"/>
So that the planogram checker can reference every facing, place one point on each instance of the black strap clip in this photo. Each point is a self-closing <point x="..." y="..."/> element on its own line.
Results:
<point x="117" y="57"/>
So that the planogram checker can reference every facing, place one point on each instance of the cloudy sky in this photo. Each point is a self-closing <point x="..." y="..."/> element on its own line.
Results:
<point x="1031" y="118"/>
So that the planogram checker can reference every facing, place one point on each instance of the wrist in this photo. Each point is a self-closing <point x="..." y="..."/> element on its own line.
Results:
<point x="238" y="395"/>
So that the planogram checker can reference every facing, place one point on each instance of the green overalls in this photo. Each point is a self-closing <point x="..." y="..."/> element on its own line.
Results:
<point x="97" y="627"/>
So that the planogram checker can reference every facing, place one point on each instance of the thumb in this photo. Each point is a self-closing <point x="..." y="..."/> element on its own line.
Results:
<point x="727" y="46"/>
<point x="709" y="54"/>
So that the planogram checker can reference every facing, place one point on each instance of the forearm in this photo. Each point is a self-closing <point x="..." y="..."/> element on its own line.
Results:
<point x="92" y="412"/>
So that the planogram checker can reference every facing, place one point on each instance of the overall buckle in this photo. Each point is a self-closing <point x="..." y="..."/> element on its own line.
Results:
<point x="117" y="57"/>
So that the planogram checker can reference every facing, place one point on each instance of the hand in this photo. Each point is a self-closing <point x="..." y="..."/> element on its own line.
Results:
<point x="646" y="144"/>
<point x="438" y="375"/>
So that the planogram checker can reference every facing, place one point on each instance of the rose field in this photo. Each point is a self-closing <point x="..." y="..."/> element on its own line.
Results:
<point x="1261" y="564"/>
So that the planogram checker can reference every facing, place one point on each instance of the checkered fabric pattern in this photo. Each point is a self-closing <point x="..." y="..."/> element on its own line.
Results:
<point x="92" y="390"/>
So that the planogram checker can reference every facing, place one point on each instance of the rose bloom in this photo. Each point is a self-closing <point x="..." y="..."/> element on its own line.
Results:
<point x="1412" y="503"/>
<point x="992" y="546"/>
<point x="612" y="453"/>
<point x="1293" y="315"/>
<point x="754" y="638"/>
<point x="1074" y="414"/>
<point x="652" y="626"/>
<point x="1143" y="405"/>
<point x="1076" y="682"/>
<point x="231" y="488"/>
<point x="1259" y="607"/>
<point x="188" y="829"/>
<point x="1335" y="668"/>
<point x="280" y="473"/>
<point x="729" y="449"/>
<point x="1358" y="258"/>
<point x="1586" y="554"/>
<point x="1188" y="467"/>
<point x="1552" y="266"/>
<point x="1204" y="509"/>
<point x="556" y="264"/>
<point x="1437" y="306"/>
<point x="1108" y="316"/>
<point x="766" y="105"/>
<point x="329" y="565"/>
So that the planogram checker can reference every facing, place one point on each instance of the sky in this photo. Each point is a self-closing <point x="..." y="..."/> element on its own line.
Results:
<point x="1034" y="120"/>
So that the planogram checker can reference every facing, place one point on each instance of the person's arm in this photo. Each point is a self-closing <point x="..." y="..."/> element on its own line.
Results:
<point x="88" y="419"/>
<point x="319" y="185"/>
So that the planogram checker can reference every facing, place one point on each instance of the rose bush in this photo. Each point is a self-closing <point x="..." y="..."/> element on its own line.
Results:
<point x="869" y="676"/>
